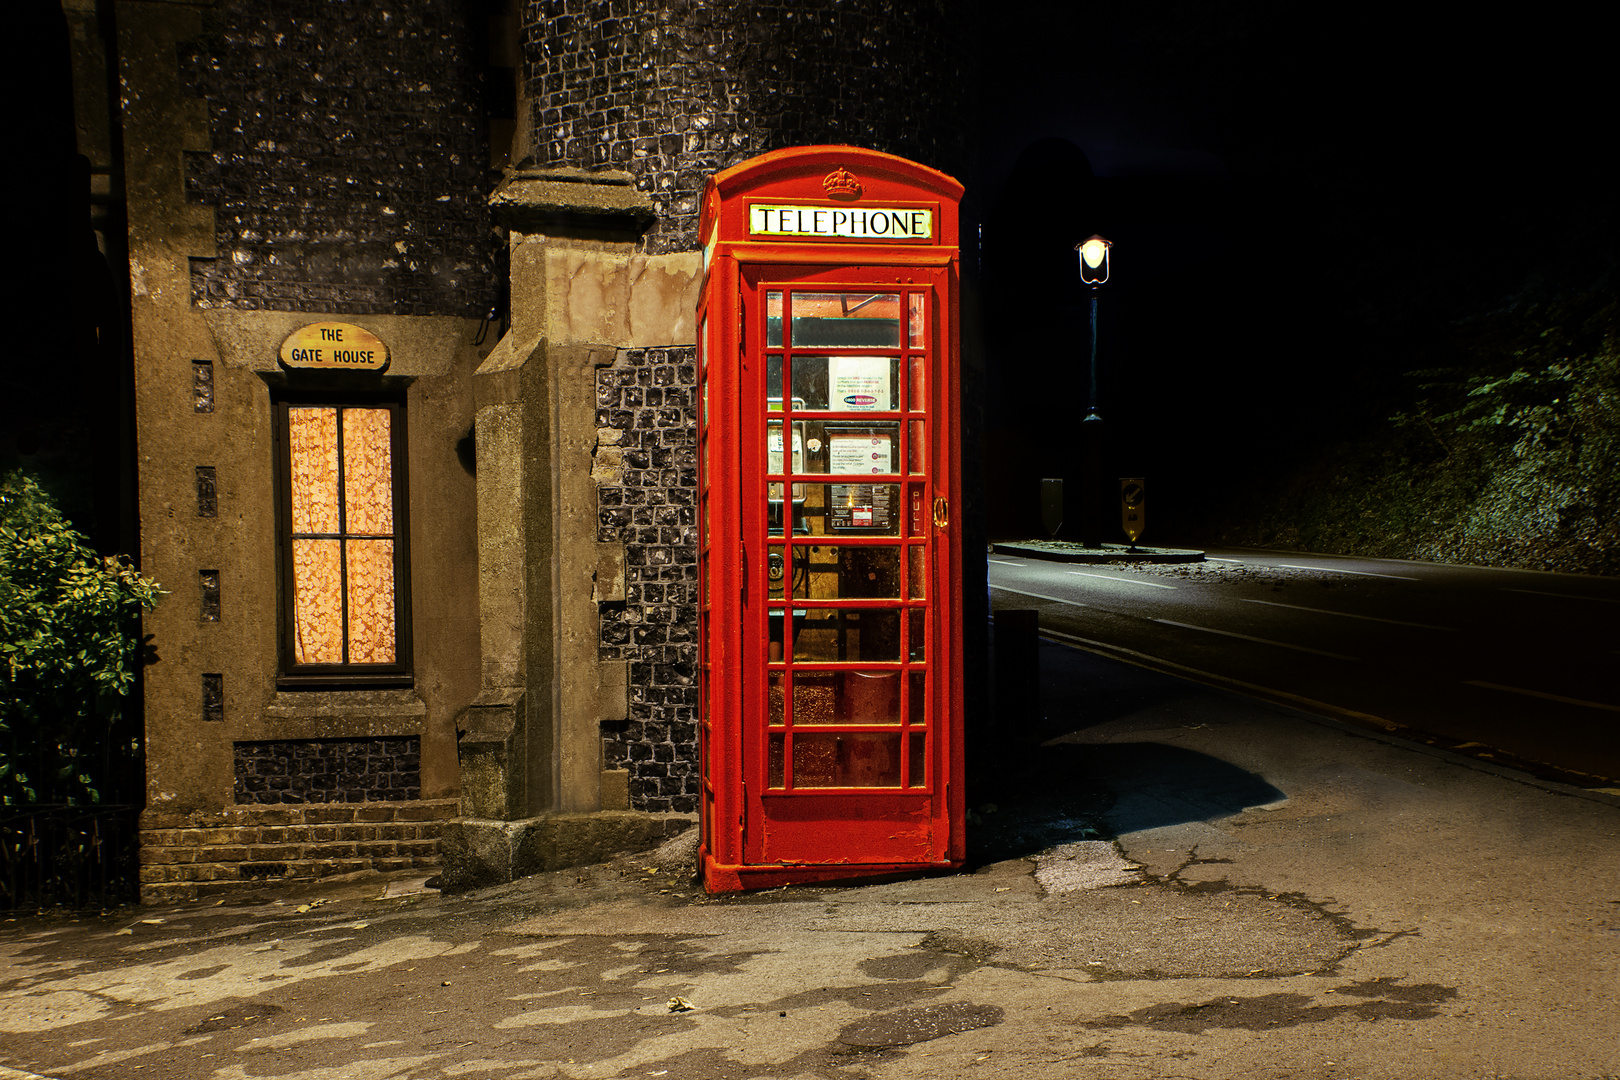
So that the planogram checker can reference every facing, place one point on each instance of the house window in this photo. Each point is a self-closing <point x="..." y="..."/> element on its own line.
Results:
<point x="344" y="577"/>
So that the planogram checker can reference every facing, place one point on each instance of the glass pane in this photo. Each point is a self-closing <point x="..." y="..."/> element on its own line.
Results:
<point x="814" y="572"/>
<point x="917" y="634"/>
<point x="815" y="697"/>
<point x="864" y="573"/>
<point x="775" y="757"/>
<point x="773" y="385"/>
<point x="773" y="622"/>
<point x="845" y="320"/>
<point x="312" y="445"/>
<point x="832" y="635"/>
<point x="868" y="697"/>
<point x="856" y="449"/>
<point x="919" y="384"/>
<point x="846" y="383"/>
<point x="775" y="569"/>
<point x="916" y="447"/>
<point x="917" y="743"/>
<point x="916" y="572"/>
<point x="371" y="601"/>
<point x="368" y="478"/>
<point x="317" y="602"/>
<point x="773" y="319"/>
<point x="775" y="692"/>
<point x="861" y="509"/>
<point x="865" y="759"/>
<point x="914" y="320"/>
<point x="809" y="382"/>
<point x="917" y="709"/>
<point x="871" y="760"/>
<point x="815" y="761"/>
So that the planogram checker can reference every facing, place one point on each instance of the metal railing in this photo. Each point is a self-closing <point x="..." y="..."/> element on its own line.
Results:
<point x="59" y="856"/>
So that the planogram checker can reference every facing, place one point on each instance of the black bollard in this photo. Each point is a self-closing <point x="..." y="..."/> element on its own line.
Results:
<point x="1017" y="675"/>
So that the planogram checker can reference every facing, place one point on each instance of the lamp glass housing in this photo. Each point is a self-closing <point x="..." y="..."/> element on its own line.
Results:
<point x="1094" y="254"/>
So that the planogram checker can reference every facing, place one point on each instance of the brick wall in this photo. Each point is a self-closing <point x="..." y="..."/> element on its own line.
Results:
<point x="646" y="496"/>
<point x="349" y="161"/>
<point x="673" y="90"/>
<point x="185" y="855"/>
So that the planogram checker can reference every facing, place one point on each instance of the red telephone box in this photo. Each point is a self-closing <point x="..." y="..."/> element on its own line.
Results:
<point x="828" y="550"/>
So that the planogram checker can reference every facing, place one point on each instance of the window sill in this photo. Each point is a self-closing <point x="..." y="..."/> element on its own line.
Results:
<point x="316" y="714"/>
<point x="343" y="683"/>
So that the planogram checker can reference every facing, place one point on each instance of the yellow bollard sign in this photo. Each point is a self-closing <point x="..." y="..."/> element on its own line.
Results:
<point x="1132" y="497"/>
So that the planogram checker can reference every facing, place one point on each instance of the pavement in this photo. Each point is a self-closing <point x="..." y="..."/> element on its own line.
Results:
<point x="1075" y="552"/>
<point x="1167" y="881"/>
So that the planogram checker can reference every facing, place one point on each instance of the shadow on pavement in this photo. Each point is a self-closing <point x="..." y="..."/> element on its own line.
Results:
<point x="1037" y="792"/>
<point x="1054" y="794"/>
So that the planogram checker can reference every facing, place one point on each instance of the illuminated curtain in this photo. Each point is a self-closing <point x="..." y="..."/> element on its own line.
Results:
<point x="342" y="482"/>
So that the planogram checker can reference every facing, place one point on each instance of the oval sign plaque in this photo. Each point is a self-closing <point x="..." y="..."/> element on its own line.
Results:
<point x="334" y="346"/>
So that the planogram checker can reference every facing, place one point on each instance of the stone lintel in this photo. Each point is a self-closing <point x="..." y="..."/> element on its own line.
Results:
<point x="572" y="202"/>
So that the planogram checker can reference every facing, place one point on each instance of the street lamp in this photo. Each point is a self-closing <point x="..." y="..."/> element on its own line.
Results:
<point x="1093" y="271"/>
<point x="1094" y="259"/>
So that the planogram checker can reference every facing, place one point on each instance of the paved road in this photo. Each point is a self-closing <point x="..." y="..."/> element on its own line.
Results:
<point x="1241" y="892"/>
<point x="1519" y="666"/>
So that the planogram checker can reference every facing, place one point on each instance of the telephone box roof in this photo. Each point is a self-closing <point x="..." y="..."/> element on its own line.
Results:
<point x="808" y="172"/>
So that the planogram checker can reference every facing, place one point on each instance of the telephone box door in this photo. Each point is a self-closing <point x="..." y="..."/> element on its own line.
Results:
<point x="849" y="517"/>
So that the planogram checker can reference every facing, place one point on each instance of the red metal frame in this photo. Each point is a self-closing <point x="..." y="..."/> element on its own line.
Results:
<point x="759" y="829"/>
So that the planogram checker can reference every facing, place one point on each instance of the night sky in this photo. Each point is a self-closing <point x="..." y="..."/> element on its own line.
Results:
<point x="1299" y="201"/>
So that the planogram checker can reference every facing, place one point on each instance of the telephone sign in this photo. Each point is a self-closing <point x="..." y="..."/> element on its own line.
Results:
<point x="829" y="594"/>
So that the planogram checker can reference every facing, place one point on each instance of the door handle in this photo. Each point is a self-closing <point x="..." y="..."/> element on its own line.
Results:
<point x="942" y="512"/>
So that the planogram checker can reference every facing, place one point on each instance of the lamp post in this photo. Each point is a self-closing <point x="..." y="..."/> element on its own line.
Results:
<point x="1093" y="271"/>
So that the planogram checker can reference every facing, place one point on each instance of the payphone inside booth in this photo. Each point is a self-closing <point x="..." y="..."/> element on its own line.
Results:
<point x="828" y="563"/>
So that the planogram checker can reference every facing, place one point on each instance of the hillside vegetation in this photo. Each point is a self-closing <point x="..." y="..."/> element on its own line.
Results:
<point x="1503" y="450"/>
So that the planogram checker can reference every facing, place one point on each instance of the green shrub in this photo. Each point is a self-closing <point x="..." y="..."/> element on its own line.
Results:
<point x="1503" y="450"/>
<point x="69" y="647"/>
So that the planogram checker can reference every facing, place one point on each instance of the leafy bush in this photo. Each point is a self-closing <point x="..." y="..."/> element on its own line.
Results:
<point x="69" y="647"/>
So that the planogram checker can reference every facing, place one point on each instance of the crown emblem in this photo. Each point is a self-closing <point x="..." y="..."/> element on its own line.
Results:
<point x="841" y="184"/>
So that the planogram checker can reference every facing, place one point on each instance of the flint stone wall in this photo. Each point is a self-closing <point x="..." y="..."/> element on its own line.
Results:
<point x="673" y="90"/>
<point x="646" y="494"/>
<point x="328" y="770"/>
<point x="349" y="164"/>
